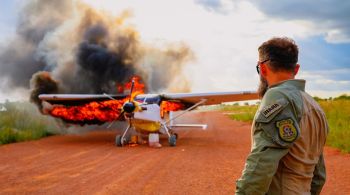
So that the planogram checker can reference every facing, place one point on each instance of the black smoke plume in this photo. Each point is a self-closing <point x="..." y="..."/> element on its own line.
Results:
<point x="82" y="50"/>
<point x="42" y="83"/>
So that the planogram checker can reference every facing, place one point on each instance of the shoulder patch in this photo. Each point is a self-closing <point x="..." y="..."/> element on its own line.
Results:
<point x="286" y="130"/>
<point x="270" y="109"/>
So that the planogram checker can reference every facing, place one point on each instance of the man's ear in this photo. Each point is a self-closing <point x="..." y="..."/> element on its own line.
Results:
<point x="296" y="69"/>
<point x="263" y="70"/>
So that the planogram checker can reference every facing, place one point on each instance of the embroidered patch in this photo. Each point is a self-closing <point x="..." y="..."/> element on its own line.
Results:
<point x="267" y="111"/>
<point x="286" y="130"/>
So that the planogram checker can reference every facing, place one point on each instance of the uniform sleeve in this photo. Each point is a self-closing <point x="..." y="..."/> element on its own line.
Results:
<point x="261" y="165"/>
<point x="319" y="178"/>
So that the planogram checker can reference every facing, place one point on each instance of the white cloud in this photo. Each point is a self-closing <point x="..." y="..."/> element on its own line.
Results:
<point x="337" y="36"/>
<point x="330" y="18"/>
<point x="320" y="83"/>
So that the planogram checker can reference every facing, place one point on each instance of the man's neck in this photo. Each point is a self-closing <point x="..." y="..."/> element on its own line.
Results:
<point x="279" y="77"/>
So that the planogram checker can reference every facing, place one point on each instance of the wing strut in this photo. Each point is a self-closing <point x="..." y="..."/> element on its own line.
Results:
<point x="185" y="111"/>
<point x="164" y="124"/>
<point x="110" y="97"/>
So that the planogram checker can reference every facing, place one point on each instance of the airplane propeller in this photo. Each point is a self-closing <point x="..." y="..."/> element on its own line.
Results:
<point x="129" y="107"/>
<point x="127" y="112"/>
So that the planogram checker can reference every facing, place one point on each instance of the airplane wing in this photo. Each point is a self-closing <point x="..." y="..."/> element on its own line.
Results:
<point x="212" y="97"/>
<point x="188" y="98"/>
<point x="188" y="101"/>
<point x="193" y="98"/>
<point x="75" y="99"/>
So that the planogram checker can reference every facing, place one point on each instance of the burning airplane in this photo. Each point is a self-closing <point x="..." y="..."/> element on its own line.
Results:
<point x="80" y="60"/>
<point x="145" y="113"/>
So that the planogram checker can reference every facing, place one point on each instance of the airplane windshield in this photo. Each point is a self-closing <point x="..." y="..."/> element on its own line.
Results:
<point x="149" y="99"/>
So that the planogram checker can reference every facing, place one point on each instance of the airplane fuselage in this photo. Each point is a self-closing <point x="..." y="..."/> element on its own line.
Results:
<point x="148" y="120"/>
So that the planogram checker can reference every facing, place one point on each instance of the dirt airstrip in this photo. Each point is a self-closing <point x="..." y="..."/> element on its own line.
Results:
<point x="203" y="162"/>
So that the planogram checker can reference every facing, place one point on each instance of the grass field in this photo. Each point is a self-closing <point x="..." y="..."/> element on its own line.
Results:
<point x="337" y="111"/>
<point x="241" y="113"/>
<point x="338" y="116"/>
<point x="20" y="121"/>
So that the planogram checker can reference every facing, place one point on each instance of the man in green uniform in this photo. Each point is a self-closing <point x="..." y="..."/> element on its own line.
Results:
<point x="289" y="129"/>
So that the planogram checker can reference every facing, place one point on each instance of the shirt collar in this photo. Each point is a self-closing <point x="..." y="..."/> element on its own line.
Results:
<point x="297" y="83"/>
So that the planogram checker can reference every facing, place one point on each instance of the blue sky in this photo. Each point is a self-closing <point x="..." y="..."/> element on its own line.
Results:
<point x="224" y="35"/>
<point x="325" y="51"/>
<point x="8" y="13"/>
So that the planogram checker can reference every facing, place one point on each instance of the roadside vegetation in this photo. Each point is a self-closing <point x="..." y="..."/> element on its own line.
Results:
<point x="238" y="112"/>
<point x="338" y="116"/>
<point x="337" y="111"/>
<point x="21" y="121"/>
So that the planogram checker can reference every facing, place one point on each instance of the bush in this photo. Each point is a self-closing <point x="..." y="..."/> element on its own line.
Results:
<point x="338" y="116"/>
<point x="244" y="113"/>
<point x="21" y="122"/>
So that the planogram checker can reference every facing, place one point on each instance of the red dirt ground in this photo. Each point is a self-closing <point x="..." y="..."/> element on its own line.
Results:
<point x="203" y="162"/>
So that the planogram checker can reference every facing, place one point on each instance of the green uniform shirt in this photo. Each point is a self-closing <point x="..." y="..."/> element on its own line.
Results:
<point x="288" y="135"/>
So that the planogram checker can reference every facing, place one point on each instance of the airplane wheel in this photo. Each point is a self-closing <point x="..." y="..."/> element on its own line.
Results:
<point x="118" y="140"/>
<point x="172" y="140"/>
<point x="176" y="135"/>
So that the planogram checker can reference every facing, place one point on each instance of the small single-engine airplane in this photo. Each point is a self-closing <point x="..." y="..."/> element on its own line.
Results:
<point x="146" y="113"/>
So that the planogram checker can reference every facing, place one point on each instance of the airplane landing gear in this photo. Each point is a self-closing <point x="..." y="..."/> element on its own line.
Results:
<point x="172" y="137"/>
<point x="172" y="133"/>
<point x="122" y="140"/>
<point x="118" y="140"/>
<point x="172" y="140"/>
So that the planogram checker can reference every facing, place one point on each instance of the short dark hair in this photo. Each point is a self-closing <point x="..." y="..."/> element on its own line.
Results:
<point x="282" y="53"/>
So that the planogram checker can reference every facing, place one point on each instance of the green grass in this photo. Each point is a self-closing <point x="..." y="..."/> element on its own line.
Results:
<point x="338" y="116"/>
<point x="337" y="111"/>
<point x="236" y="112"/>
<point x="22" y="122"/>
<point x="241" y="113"/>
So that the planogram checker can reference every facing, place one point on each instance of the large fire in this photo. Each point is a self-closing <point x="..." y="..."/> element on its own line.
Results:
<point x="98" y="112"/>
<point x="167" y="106"/>
<point x="91" y="113"/>
<point x="139" y="87"/>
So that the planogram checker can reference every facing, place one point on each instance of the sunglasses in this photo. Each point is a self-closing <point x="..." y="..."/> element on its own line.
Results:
<point x="258" y="65"/>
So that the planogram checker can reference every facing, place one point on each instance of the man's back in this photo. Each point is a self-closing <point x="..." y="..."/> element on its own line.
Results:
<point x="289" y="129"/>
<point x="296" y="168"/>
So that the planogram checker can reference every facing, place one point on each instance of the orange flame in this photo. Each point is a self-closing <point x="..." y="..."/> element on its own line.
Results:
<point x="139" y="87"/>
<point x="98" y="112"/>
<point x="91" y="113"/>
<point x="167" y="106"/>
